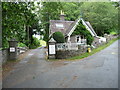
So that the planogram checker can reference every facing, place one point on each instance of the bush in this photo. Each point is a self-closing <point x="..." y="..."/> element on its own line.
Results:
<point x="59" y="37"/>
<point x="21" y="45"/>
<point x="35" y="43"/>
<point x="89" y="39"/>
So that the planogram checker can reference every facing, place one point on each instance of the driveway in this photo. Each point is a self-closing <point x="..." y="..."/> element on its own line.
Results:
<point x="97" y="71"/>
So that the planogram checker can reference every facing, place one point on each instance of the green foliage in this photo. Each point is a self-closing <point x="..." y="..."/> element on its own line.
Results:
<point x="59" y="37"/>
<point x="17" y="18"/>
<point x="81" y="30"/>
<point x="72" y="10"/>
<point x="49" y="11"/>
<point x="42" y="43"/>
<point x="20" y="18"/>
<point x="21" y="45"/>
<point x="35" y="43"/>
<point x="90" y="39"/>
<point x="102" y="15"/>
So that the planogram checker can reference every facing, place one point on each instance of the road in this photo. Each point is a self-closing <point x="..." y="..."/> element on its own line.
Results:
<point x="97" y="71"/>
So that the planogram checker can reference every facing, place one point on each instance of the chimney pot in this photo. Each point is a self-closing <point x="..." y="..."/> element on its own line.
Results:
<point x="62" y="16"/>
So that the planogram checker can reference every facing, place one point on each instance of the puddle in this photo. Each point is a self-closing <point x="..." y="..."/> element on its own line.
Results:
<point x="30" y="54"/>
<point x="23" y="61"/>
<point x="113" y="53"/>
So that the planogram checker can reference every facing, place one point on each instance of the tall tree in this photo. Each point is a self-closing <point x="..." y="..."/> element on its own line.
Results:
<point x="103" y="16"/>
<point x="18" y="21"/>
<point x="49" y="11"/>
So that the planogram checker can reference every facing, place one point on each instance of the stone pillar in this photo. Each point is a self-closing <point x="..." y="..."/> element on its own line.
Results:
<point x="12" y="49"/>
<point x="106" y="36"/>
<point x="51" y="49"/>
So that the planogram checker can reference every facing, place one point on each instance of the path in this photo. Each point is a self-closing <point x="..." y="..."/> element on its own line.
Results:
<point x="97" y="71"/>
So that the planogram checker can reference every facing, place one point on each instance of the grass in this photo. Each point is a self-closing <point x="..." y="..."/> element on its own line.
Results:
<point x="42" y="43"/>
<point x="84" y="55"/>
<point x="93" y="51"/>
<point x="113" y="32"/>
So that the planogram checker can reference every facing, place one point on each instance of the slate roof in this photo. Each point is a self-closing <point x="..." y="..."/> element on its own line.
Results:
<point x="66" y="26"/>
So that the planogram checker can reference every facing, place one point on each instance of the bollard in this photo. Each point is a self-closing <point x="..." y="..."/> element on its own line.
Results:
<point x="89" y="50"/>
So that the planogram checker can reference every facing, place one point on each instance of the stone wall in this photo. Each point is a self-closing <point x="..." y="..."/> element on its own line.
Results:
<point x="5" y="55"/>
<point x="63" y="54"/>
<point x="69" y="53"/>
<point x="0" y="57"/>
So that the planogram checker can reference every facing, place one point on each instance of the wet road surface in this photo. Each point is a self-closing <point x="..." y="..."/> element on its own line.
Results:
<point x="97" y="71"/>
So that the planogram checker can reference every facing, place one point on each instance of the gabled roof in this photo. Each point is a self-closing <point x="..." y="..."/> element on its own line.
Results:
<point x="89" y="27"/>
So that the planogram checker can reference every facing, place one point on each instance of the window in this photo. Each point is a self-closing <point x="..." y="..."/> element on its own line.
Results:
<point x="59" y="25"/>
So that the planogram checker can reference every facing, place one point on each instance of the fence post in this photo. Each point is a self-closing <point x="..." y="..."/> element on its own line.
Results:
<point x="106" y="36"/>
<point x="12" y="49"/>
<point x="51" y="49"/>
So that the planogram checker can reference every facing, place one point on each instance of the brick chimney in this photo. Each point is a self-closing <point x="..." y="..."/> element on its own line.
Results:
<point x="62" y="16"/>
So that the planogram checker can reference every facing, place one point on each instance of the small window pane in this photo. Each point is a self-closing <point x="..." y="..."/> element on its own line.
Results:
<point x="59" y="25"/>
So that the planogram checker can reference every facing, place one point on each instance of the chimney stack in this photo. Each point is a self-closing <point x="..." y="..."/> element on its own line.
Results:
<point x="62" y="16"/>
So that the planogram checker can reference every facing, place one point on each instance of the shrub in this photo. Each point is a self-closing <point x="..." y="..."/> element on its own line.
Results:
<point x="59" y="37"/>
<point x="21" y="45"/>
<point x="35" y="43"/>
<point x="89" y="39"/>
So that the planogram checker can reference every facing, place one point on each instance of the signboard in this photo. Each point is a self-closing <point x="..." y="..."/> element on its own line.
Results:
<point x="51" y="49"/>
<point x="12" y="49"/>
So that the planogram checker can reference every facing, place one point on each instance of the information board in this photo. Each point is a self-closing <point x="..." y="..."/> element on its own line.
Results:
<point x="51" y="49"/>
<point x="12" y="49"/>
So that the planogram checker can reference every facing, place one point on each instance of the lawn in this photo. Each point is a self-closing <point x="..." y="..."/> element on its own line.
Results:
<point x="42" y="43"/>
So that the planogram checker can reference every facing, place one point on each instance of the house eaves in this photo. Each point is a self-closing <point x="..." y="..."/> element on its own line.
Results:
<point x="89" y="28"/>
<point x="71" y="29"/>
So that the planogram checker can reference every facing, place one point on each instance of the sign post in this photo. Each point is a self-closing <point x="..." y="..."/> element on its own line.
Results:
<point x="12" y="49"/>
<point x="51" y="49"/>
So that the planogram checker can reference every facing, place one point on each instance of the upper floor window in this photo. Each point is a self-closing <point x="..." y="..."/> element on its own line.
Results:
<point x="59" y="25"/>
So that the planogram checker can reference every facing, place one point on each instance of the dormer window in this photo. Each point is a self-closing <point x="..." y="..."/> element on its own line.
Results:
<point x="59" y="25"/>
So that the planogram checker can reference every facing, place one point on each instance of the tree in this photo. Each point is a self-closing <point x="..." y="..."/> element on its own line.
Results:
<point x="49" y="11"/>
<point x="18" y="22"/>
<point x="71" y="10"/>
<point x="103" y="16"/>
